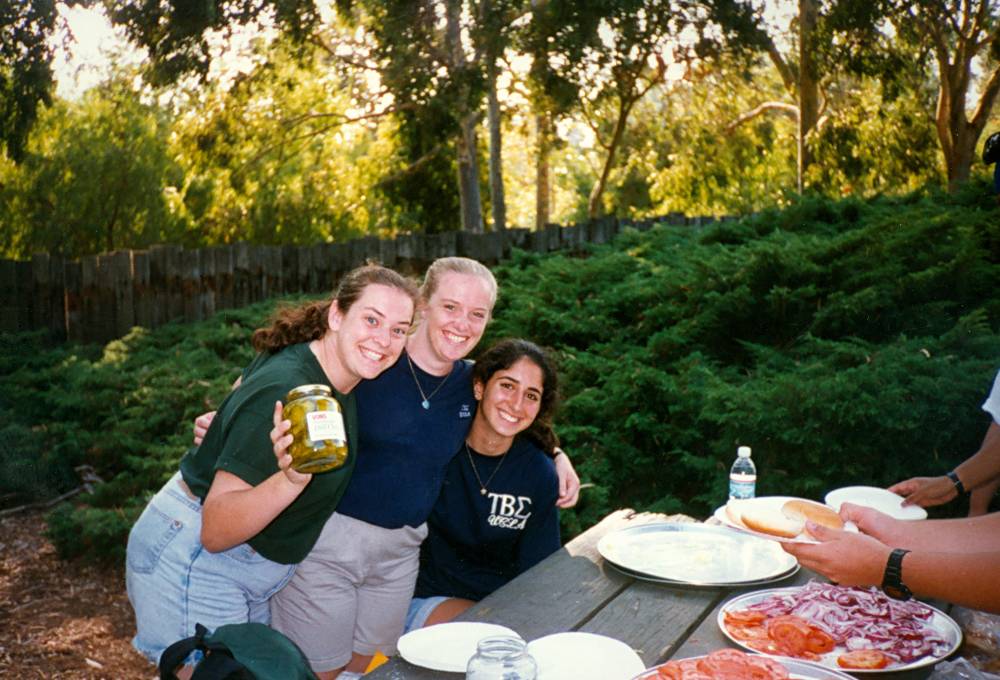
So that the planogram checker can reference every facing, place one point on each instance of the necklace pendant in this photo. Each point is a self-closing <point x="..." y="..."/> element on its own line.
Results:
<point x="426" y="404"/>
<point x="482" y="491"/>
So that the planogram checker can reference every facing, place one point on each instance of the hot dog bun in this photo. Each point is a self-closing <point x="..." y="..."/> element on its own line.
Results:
<point x="734" y="510"/>
<point x="770" y="521"/>
<point x="803" y="510"/>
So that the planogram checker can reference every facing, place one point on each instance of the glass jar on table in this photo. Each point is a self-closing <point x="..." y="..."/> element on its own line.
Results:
<point x="502" y="658"/>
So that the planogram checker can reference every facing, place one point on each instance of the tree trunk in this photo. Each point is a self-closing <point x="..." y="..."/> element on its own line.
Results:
<point x="808" y="87"/>
<point x="466" y="145"/>
<point x="497" y="201"/>
<point x="594" y="202"/>
<point x="468" y="176"/>
<point x="955" y="51"/>
<point x="957" y="134"/>
<point x="543" y="133"/>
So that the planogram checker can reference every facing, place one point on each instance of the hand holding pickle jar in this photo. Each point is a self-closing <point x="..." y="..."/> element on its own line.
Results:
<point x="319" y="437"/>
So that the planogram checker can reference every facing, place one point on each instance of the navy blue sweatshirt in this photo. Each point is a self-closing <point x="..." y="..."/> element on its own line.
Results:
<point x="477" y="543"/>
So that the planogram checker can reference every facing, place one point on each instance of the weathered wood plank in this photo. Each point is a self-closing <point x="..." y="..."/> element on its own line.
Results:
<point x="74" y="301"/>
<point x="653" y="618"/>
<point x="175" y="283"/>
<point x="105" y="327"/>
<point x="144" y="298"/>
<point x="289" y="270"/>
<point x="207" y="282"/>
<point x="224" y="282"/>
<point x="190" y="271"/>
<point x="40" y="290"/>
<point x="124" y="296"/>
<point x="15" y="296"/>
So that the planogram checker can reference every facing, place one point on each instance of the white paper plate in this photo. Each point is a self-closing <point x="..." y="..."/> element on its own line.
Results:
<point x="584" y="656"/>
<point x="882" y="500"/>
<point x="797" y="669"/>
<point x="447" y="646"/>
<point x="773" y="503"/>
<point x="943" y="624"/>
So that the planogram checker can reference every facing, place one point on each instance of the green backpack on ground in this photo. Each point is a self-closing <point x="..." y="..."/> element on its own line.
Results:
<point x="238" y="651"/>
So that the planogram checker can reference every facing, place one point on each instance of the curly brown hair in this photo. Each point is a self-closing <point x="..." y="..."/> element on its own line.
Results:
<point x="506" y="353"/>
<point x="303" y="323"/>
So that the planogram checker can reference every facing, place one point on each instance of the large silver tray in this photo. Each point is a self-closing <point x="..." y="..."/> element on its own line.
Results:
<point x="797" y="670"/>
<point x="695" y="554"/>
<point x="943" y="624"/>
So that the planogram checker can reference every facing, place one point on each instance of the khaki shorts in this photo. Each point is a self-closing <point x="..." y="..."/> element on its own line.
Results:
<point x="351" y="593"/>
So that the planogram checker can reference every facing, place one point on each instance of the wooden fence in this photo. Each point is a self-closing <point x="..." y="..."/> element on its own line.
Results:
<point x="101" y="297"/>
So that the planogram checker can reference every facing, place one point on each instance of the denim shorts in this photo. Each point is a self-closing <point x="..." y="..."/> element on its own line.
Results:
<point x="174" y="583"/>
<point x="420" y="609"/>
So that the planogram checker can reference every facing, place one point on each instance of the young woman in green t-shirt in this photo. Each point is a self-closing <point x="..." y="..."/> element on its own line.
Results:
<point x="225" y="533"/>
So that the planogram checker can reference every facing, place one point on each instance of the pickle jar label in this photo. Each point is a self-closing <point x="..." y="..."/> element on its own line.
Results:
<point x="324" y="425"/>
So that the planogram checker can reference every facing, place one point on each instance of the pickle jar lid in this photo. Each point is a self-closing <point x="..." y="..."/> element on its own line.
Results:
<point x="308" y="391"/>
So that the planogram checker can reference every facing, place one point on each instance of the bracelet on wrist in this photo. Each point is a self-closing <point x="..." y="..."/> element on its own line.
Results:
<point x="957" y="482"/>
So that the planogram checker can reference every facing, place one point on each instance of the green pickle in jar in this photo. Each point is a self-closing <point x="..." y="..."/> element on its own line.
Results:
<point x="319" y="438"/>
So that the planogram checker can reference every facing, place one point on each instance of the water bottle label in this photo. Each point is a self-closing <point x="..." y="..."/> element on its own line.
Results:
<point x="742" y="486"/>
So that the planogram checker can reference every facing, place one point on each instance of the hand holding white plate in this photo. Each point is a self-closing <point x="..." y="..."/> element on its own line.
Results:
<point x="584" y="656"/>
<point x="447" y="646"/>
<point x="882" y="500"/>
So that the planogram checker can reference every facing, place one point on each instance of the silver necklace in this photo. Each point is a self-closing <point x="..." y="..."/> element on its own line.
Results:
<point x="482" y="484"/>
<point x="426" y="403"/>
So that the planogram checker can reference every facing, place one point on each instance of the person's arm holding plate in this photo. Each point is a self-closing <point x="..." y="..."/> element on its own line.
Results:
<point x="953" y="560"/>
<point x="979" y="474"/>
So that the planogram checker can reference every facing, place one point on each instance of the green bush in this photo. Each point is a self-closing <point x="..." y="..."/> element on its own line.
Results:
<point x="847" y="342"/>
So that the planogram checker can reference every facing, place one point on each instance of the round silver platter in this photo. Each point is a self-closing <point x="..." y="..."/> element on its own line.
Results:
<point x="687" y="553"/>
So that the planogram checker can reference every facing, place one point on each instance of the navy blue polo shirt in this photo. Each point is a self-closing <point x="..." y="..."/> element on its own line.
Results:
<point x="403" y="449"/>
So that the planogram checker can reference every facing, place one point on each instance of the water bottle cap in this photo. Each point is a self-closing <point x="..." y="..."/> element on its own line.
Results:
<point x="743" y="452"/>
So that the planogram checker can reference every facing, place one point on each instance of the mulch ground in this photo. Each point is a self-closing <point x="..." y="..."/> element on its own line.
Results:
<point x="59" y="619"/>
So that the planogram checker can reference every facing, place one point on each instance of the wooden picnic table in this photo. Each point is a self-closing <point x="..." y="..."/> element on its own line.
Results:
<point x="574" y="589"/>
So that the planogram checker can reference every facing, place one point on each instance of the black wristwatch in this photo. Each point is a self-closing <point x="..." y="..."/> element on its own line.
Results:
<point x="959" y="487"/>
<point x="892" y="579"/>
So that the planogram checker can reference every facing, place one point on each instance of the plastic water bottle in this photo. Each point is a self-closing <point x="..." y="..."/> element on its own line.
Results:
<point x="743" y="475"/>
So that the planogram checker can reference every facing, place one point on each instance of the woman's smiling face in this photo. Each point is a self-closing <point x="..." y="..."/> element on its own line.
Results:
<point x="372" y="334"/>
<point x="510" y="400"/>
<point x="457" y="314"/>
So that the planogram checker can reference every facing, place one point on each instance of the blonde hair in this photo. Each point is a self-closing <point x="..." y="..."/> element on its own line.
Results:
<point x="458" y="265"/>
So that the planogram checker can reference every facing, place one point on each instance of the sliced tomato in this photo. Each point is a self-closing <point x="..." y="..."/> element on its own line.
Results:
<point x="790" y="634"/>
<point x="819" y="642"/>
<point x="745" y="633"/>
<point x="863" y="659"/>
<point x="764" y="646"/>
<point x="747" y="617"/>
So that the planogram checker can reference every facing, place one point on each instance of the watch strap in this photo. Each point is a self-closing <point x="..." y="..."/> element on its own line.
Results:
<point x="892" y="578"/>
<point x="956" y="481"/>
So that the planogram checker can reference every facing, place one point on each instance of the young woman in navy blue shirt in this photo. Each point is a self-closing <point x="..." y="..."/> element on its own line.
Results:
<point x="496" y="515"/>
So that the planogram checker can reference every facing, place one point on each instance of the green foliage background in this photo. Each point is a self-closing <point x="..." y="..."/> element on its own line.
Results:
<point x="847" y="342"/>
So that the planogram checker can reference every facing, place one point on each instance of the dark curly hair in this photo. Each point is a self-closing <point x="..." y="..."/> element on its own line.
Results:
<point x="506" y="353"/>
<point x="293" y="325"/>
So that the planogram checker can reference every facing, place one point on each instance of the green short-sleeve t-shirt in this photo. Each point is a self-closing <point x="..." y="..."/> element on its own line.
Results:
<point x="239" y="442"/>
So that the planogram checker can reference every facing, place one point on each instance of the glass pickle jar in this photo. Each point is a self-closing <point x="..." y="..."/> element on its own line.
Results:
<point x="319" y="438"/>
<point x="501" y="657"/>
